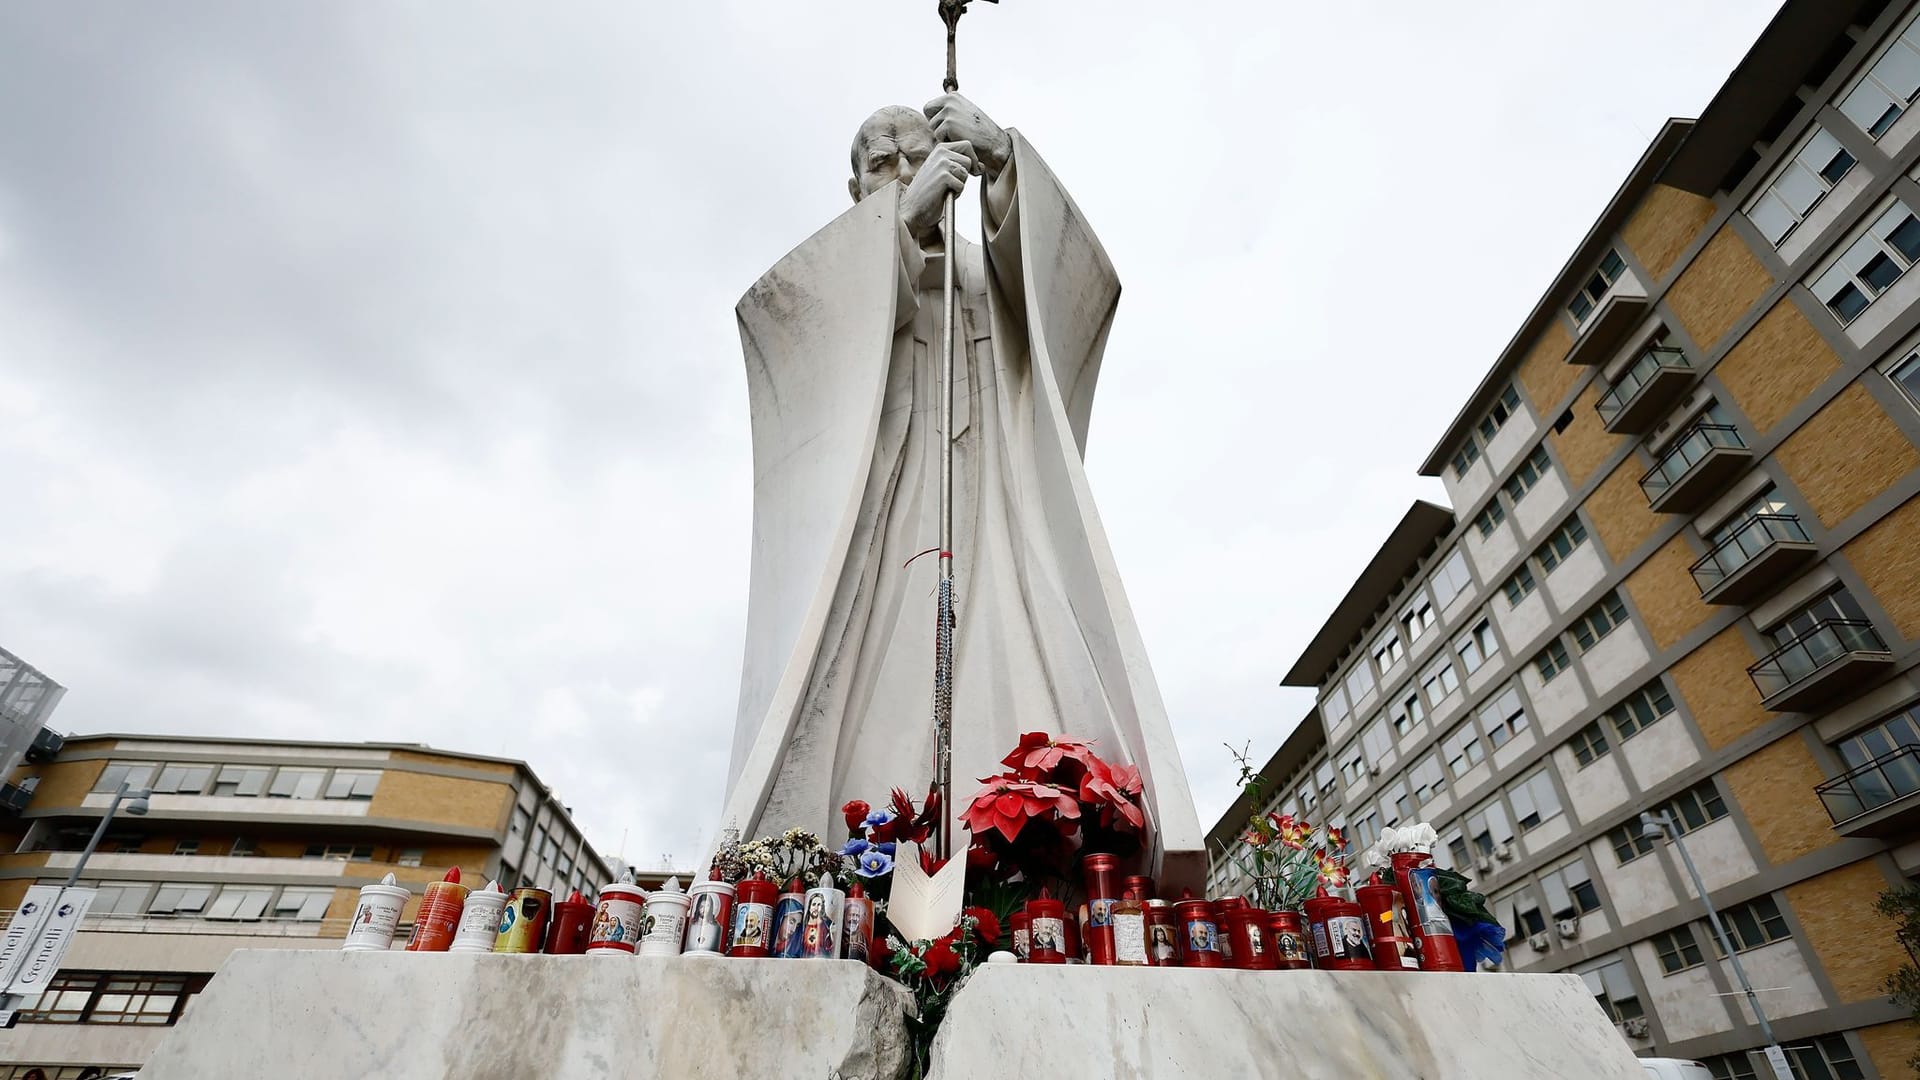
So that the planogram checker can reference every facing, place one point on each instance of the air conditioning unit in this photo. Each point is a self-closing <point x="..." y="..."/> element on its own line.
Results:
<point x="1505" y="852"/>
<point x="1484" y="864"/>
<point x="14" y="799"/>
<point x="1569" y="929"/>
<point x="1636" y="1028"/>
<point x="46" y="743"/>
<point x="1538" y="942"/>
<point x="1373" y="768"/>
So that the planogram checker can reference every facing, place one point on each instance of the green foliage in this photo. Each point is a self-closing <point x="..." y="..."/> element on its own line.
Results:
<point x="1901" y="906"/>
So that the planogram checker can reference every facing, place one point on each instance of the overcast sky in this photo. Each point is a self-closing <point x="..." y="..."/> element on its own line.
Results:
<point x="369" y="371"/>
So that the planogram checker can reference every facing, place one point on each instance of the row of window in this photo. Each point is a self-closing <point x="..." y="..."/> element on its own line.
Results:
<point x="199" y="900"/>
<point x="1750" y="925"/>
<point x="1495" y="418"/>
<point x="545" y="846"/>
<point x="1448" y="582"/>
<point x="1620" y="723"/>
<point x="1693" y="808"/>
<point x="282" y="782"/>
<point x="153" y="999"/>
<point x="1824" y="1057"/>
<point x="1593" y="625"/>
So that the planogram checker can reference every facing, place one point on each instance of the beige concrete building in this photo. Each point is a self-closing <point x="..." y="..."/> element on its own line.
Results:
<point x="1684" y="577"/>
<point x="249" y="844"/>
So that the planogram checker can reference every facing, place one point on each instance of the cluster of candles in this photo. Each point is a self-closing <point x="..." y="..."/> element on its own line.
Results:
<point x="1398" y="927"/>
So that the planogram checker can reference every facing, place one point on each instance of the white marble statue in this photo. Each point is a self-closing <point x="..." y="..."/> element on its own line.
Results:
<point x="842" y="340"/>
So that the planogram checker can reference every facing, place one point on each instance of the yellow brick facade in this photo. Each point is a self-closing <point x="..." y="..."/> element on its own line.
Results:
<point x="1545" y="374"/>
<point x="1618" y="510"/>
<point x="1662" y="226"/>
<point x="1853" y="943"/>
<point x="449" y="761"/>
<point x="444" y="800"/>
<point x="1889" y="1046"/>
<point x="1665" y="593"/>
<point x="64" y="783"/>
<point x="1585" y="445"/>
<point x="1776" y="365"/>
<point x="1717" y="288"/>
<point x="1847" y="453"/>
<point x="1887" y="558"/>
<point x="1712" y="680"/>
<point x="1775" y="789"/>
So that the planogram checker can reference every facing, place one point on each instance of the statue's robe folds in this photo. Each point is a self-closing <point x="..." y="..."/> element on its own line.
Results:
<point x="842" y="341"/>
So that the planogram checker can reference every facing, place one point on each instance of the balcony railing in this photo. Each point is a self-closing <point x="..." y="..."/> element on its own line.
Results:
<point x="1659" y="366"/>
<point x="1835" y="654"/>
<point x="1746" y="552"/>
<point x="1881" y="782"/>
<point x="1705" y="455"/>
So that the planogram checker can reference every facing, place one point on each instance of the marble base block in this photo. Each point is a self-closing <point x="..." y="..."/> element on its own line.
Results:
<point x="411" y="1016"/>
<point x="1157" y="1024"/>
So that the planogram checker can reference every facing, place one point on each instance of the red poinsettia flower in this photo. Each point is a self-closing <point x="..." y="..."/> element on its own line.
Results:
<point x="1098" y="788"/>
<point x="1008" y="802"/>
<point x="928" y="864"/>
<point x="856" y="814"/>
<point x="1040" y="753"/>
<point x="981" y="857"/>
<point x="940" y="958"/>
<point x="987" y="927"/>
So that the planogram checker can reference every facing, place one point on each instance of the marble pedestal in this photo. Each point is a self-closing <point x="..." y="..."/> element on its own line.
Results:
<point x="412" y="1016"/>
<point x="1152" y="1024"/>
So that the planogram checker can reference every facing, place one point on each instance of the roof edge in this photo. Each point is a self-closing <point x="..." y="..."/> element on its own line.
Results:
<point x="1423" y="524"/>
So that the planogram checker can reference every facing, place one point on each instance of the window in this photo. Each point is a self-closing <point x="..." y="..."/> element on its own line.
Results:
<point x="1324" y="774"/>
<point x="1899" y="730"/>
<point x="1641" y="708"/>
<point x="1464" y="457"/>
<point x="1528" y="474"/>
<point x="1386" y="650"/>
<point x="1735" y="1066"/>
<point x="241" y="780"/>
<point x="1462" y="748"/>
<point x="1599" y="621"/>
<point x="1906" y="376"/>
<point x="296" y="783"/>
<point x="243" y="903"/>
<point x="1753" y="924"/>
<point x="564" y="864"/>
<point x="302" y="905"/>
<point x="1534" y="801"/>
<point x="1838" y="604"/>
<point x="1589" y="744"/>
<point x="180" y="899"/>
<point x="1554" y="550"/>
<point x="1613" y="989"/>
<point x="1397" y="805"/>
<point x="1488" y="828"/>
<point x="1477" y="646"/>
<point x="1428" y="779"/>
<point x="1366" y="830"/>
<point x="1518" y="586"/>
<point x="123" y="898"/>
<point x="1503" y="716"/>
<point x="1695" y="807"/>
<point x="1417" y="619"/>
<point x="1359" y="683"/>
<point x="1628" y="843"/>
<point x="1502" y="411"/>
<point x="182" y="779"/>
<point x="1609" y="271"/>
<point x="1887" y="88"/>
<point x="1570" y="891"/>
<point x="1870" y="264"/>
<point x="1800" y="184"/>
<point x="1824" y="1057"/>
<point x="1439" y="680"/>
<point x="242" y="847"/>
<point x="340" y="852"/>
<point x="349" y="784"/>
<point x="1333" y="707"/>
<point x="1552" y="660"/>
<point x="1677" y="950"/>
<point x="1527" y="919"/>
<point x="1490" y="517"/>
<point x="412" y="856"/>
<point x="1452" y="579"/>
<point x="1407" y="714"/>
<point x="186" y="847"/>
<point x="99" y="997"/>
<point x="137" y="775"/>
<point x="1376" y="741"/>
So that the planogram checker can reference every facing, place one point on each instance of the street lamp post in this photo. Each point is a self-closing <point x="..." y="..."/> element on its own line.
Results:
<point x="1653" y="826"/>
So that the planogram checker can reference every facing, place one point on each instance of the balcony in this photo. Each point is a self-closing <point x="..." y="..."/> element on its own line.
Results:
<point x="1694" y="469"/>
<point x="1759" y="554"/>
<point x="1644" y="392"/>
<point x="1876" y="799"/>
<point x="1609" y="324"/>
<point x="1836" y="656"/>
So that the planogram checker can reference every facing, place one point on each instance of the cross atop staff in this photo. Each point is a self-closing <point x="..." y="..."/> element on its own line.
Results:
<point x="950" y="12"/>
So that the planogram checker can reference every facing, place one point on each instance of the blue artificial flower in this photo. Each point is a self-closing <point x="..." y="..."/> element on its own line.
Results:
<point x="886" y="847"/>
<point x="878" y="818"/>
<point x="1480" y="941"/>
<point x="875" y="864"/>
<point x="855" y="846"/>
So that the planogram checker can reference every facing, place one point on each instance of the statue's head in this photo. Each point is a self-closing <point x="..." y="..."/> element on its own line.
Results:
<point x="889" y="146"/>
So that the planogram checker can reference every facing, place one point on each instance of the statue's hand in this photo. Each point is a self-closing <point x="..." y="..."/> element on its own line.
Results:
<point x="955" y="119"/>
<point x="943" y="173"/>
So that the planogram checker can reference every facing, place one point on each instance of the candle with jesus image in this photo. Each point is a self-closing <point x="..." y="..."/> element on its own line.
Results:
<point x="820" y="923"/>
